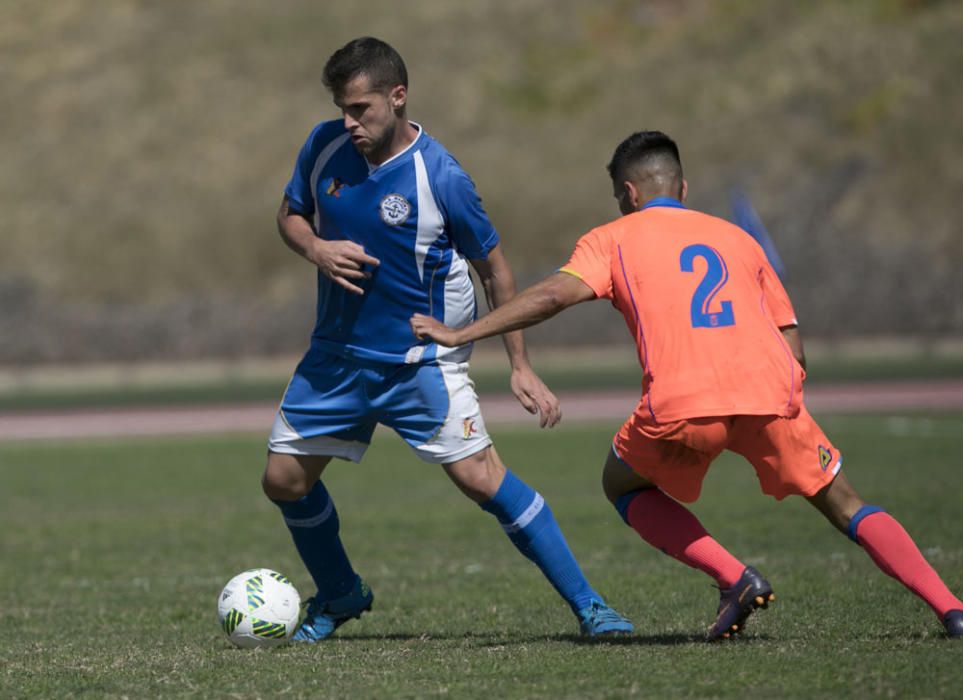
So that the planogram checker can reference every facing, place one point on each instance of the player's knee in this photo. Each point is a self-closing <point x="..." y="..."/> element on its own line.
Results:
<point x="610" y="479"/>
<point x="839" y="503"/>
<point x="275" y="489"/>
<point x="281" y="484"/>
<point x="618" y="479"/>
<point x="478" y="475"/>
<point x="611" y="488"/>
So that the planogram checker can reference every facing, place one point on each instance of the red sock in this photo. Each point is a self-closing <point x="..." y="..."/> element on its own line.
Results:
<point x="894" y="551"/>
<point x="668" y="525"/>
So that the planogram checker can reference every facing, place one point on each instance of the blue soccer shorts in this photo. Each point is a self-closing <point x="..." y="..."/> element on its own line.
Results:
<point x="333" y="404"/>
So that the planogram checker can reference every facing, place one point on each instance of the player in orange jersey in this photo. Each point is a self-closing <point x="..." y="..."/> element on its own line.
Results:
<point x="723" y="368"/>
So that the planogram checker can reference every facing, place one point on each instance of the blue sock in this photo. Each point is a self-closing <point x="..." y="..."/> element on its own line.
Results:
<point x="531" y="526"/>
<point x="313" y="522"/>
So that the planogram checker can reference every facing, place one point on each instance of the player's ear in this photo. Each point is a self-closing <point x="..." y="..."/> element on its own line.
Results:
<point x="398" y="97"/>
<point x="685" y="190"/>
<point x="632" y="195"/>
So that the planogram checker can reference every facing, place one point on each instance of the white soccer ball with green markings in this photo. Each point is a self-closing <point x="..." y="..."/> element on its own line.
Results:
<point x="259" y="608"/>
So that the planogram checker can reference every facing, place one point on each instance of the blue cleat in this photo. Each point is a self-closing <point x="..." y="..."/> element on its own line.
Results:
<point x="599" y="619"/>
<point x="953" y="622"/>
<point x="324" y="617"/>
<point x="736" y="604"/>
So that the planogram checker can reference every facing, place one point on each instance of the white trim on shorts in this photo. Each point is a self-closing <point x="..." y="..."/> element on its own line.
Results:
<point x="839" y="465"/>
<point x="461" y="435"/>
<point x="285" y="440"/>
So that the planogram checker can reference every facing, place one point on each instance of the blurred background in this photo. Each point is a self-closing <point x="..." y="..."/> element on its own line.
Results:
<point x="145" y="147"/>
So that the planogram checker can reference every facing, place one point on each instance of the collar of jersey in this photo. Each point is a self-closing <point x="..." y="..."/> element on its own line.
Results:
<point x="375" y="168"/>
<point x="663" y="202"/>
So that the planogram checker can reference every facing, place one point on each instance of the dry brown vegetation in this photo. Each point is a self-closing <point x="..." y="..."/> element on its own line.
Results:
<point x="145" y="146"/>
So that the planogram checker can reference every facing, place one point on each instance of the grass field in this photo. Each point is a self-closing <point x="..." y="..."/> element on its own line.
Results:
<point x="113" y="554"/>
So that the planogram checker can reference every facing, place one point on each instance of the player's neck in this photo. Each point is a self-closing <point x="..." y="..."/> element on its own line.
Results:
<point x="649" y="195"/>
<point x="403" y="137"/>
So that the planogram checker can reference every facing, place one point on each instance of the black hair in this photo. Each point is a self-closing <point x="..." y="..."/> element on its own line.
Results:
<point x="639" y="147"/>
<point x="369" y="56"/>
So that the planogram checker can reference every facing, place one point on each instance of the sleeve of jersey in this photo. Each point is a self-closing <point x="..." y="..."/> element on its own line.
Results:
<point x="472" y="233"/>
<point x="776" y="297"/>
<point x="591" y="263"/>
<point x="298" y="189"/>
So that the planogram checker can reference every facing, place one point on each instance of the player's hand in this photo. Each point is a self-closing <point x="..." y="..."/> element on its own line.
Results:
<point x="428" y="328"/>
<point x="343" y="261"/>
<point x="535" y="397"/>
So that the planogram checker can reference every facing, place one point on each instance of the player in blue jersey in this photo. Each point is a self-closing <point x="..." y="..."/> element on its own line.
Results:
<point x="393" y="224"/>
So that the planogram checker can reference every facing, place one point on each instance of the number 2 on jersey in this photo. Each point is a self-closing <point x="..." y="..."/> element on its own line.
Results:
<point x="717" y="274"/>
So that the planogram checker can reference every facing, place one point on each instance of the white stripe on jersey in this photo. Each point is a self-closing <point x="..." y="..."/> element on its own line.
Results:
<point x="323" y="157"/>
<point x="430" y="222"/>
<point x="459" y="293"/>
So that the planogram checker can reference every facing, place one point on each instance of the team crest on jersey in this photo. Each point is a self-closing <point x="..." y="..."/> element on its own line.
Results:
<point x="468" y="427"/>
<point x="395" y="210"/>
<point x="825" y="457"/>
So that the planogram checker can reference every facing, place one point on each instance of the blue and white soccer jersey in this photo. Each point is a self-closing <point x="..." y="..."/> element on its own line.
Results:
<point x="419" y="214"/>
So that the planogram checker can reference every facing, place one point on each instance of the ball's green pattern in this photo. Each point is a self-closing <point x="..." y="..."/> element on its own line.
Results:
<point x="280" y="577"/>
<point x="270" y="630"/>
<point x="255" y="587"/>
<point x="232" y="620"/>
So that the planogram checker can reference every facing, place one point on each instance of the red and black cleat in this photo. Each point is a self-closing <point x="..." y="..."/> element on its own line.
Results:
<point x="737" y="603"/>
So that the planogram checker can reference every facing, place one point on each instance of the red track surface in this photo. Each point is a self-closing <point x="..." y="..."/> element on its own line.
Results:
<point x="609" y="406"/>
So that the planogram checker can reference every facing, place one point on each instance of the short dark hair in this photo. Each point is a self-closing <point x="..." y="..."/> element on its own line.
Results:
<point x="639" y="147"/>
<point x="369" y="56"/>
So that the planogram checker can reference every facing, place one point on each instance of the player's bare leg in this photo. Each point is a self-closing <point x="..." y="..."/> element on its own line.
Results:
<point x="290" y="477"/>
<point x="293" y="483"/>
<point x="478" y="476"/>
<point x="890" y="547"/>
<point x="532" y="528"/>
<point x="839" y="502"/>
<point x="670" y="527"/>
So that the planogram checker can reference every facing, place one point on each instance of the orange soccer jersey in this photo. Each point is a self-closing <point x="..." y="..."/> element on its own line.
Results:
<point x="704" y="306"/>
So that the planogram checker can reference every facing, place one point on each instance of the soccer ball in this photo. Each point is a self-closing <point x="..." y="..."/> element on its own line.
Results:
<point x="259" y="608"/>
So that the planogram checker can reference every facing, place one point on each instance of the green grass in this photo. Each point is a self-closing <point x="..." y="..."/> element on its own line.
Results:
<point x="113" y="554"/>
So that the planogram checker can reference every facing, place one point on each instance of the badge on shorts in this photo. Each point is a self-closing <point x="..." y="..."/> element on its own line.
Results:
<point x="395" y="209"/>
<point x="825" y="457"/>
<point x="468" y="428"/>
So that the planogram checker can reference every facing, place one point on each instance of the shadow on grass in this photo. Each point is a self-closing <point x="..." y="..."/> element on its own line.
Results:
<point x="488" y="641"/>
<point x="632" y="640"/>
<point x="663" y="640"/>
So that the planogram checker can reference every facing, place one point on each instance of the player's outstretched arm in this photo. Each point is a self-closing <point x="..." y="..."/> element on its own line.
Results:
<point x="339" y="261"/>
<point x="534" y="305"/>
<point x="499" y="284"/>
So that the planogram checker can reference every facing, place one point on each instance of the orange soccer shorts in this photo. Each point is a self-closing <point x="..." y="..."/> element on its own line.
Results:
<point x="790" y="455"/>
